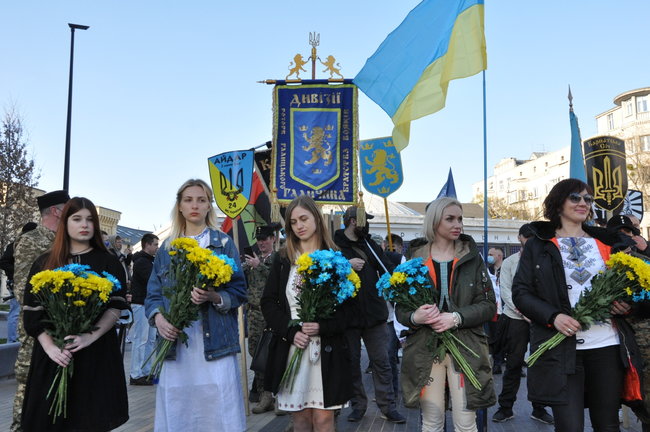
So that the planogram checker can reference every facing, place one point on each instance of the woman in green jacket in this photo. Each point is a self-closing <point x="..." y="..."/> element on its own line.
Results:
<point x="465" y="302"/>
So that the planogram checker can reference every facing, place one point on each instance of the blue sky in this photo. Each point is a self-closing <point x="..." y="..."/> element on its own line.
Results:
<point x="159" y="86"/>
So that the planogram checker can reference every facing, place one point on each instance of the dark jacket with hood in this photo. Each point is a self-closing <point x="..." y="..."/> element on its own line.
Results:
<point x="371" y="307"/>
<point x="472" y="296"/>
<point x="335" y="357"/>
<point x="540" y="292"/>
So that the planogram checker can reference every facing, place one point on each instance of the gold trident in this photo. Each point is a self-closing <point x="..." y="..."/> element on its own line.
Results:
<point x="314" y="41"/>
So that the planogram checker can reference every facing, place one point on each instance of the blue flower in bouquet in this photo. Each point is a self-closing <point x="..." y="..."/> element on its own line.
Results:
<point x="116" y="283"/>
<point x="228" y="260"/>
<point x="76" y="269"/>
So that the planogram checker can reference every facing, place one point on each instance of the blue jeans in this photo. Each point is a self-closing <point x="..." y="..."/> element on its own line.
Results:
<point x="143" y="338"/>
<point x="12" y="321"/>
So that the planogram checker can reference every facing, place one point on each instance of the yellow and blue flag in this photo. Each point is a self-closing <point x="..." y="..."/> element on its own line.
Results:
<point x="408" y="75"/>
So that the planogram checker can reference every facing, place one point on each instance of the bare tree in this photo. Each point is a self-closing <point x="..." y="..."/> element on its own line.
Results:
<point x="498" y="208"/>
<point x="17" y="178"/>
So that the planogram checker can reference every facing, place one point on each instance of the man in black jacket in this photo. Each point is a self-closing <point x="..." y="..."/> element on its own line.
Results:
<point x="369" y="261"/>
<point x="142" y="335"/>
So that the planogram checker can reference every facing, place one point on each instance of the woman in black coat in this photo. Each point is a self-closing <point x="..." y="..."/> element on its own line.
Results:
<point x="323" y="383"/>
<point x="557" y="264"/>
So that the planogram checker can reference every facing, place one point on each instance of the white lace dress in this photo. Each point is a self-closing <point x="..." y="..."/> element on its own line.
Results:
<point x="198" y="395"/>
<point x="308" y="385"/>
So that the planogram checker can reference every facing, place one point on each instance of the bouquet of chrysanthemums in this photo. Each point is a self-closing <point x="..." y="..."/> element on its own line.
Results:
<point x="626" y="278"/>
<point x="73" y="298"/>
<point x="326" y="281"/>
<point x="410" y="288"/>
<point x="191" y="266"/>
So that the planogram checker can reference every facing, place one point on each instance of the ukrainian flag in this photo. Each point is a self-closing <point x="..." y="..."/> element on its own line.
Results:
<point x="408" y="75"/>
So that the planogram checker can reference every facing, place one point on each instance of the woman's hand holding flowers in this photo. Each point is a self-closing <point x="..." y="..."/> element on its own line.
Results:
<point x="60" y="356"/>
<point x="301" y="340"/>
<point x="425" y="314"/>
<point x="443" y="322"/>
<point x="620" y="308"/>
<point x="78" y="342"/>
<point x="566" y="325"/>
<point x="200" y="296"/>
<point x="165" y="329"/>
<point x="310" y="328"/>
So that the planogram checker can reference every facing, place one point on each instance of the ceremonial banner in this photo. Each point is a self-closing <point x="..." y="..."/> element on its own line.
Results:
<point x="263" y="165"/>
<point x="606" y="170"/>
<point x="315" y="131"/>
<point x="231" y="174"/>
<point x="381" y="166"/>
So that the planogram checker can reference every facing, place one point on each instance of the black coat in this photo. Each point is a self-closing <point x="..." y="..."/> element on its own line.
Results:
<point x="335" y="355"/>
<point x="370" y="307"/>
<point x="539" y="290"/>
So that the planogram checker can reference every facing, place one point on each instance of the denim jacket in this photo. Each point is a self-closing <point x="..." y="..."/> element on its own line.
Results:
<point x="220" y="331"/>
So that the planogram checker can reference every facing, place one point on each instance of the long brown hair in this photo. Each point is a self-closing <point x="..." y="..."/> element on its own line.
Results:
<point x="293" y="242"/>
<point x="60" y="252"/>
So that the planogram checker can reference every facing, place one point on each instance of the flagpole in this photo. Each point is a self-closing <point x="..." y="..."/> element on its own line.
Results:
<point x="485" y="177"/>
<point x="390" y="238"/>
<point x="240" y="325"/>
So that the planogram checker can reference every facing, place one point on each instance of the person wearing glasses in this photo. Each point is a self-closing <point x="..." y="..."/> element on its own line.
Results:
<point x="556" y="266"/>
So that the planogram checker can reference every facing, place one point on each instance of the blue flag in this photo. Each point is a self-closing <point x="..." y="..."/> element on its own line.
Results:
<point x="577" y="160"/>
<point x="449" y="189"/>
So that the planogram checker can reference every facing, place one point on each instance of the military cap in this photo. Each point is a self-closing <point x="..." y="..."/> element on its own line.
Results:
<point x="52" y="198"/>
<point x="264" y="231"/>
<point x="621" y="221"/>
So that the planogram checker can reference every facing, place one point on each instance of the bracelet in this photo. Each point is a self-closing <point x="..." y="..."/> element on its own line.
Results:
<point x="412" y="320"/>
<point x="458" y="320"/>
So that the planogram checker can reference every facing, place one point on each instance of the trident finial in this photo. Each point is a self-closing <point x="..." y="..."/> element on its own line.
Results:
<point x="314" y="39"/>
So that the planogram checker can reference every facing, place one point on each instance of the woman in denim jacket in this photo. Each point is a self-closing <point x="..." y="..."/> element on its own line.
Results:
<point x="199" y="385"/>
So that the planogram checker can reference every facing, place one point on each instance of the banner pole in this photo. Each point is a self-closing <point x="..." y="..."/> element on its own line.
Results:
<point x="240" y="325"/>
<point x="390" y="239"/>
<point x="485" y="177"/>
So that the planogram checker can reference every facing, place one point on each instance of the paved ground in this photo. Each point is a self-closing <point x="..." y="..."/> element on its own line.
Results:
<point x="142" y="400"/>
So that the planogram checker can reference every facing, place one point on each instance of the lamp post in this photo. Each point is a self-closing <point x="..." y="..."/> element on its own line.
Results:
<point x="66" y="166"/>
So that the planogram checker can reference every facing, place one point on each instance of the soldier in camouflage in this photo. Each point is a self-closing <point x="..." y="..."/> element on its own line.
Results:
<point x="27" y="248"/>
<point x="257" y="269"/>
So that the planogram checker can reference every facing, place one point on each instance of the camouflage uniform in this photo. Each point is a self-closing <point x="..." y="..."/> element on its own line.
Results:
<point x="256" y="278"/>
<point x="27" y="248"/>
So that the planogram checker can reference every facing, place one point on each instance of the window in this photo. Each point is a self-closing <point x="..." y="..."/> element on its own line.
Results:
<point x="610" y="121"/>
<point x="628" y="108"/>
<point x="645" y="143"/>
<point x="642" y="104"/>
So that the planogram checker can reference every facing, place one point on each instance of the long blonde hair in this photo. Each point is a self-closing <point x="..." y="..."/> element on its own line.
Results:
<point x="178" y="221"/>
<point x="293" y="242"/>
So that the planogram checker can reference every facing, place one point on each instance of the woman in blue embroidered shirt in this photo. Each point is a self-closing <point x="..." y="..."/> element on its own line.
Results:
<point x="199" y="386"/>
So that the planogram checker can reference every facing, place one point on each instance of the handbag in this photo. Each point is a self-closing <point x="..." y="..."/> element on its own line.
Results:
<point x="261" y="354"/>
<point x="631" y="384"/>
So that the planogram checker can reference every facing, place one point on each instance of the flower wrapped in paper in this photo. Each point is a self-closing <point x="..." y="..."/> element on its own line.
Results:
<point x="191" y="266"/>
<point x="409" y="286"/>
<point x="326" y="281"/>
<point x="626" y="278"/>
<point x="74" y="298"/>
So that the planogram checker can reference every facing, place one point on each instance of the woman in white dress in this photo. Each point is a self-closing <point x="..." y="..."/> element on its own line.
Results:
<point x="323" y="383"/>
<point x="199" y="386"/>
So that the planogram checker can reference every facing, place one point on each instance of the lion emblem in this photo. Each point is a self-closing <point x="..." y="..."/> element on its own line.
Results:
<point x="329" y="66"/>
<point x="299" y="63"/>
<point x="318" y="146"/>
<point x="382" y="167"/>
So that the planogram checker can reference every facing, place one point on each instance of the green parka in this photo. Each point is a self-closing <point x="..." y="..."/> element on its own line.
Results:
<point x="472" y="296"/>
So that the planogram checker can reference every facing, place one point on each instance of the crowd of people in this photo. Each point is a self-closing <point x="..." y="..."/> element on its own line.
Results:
<point x="496" y="307"/>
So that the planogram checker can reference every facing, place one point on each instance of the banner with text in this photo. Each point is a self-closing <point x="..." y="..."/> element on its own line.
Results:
<point x="231" y="174"/>
<point x="314" y="152"/>
<point x="606" y="168"/>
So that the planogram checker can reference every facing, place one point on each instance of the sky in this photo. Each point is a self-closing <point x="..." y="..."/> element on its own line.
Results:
<point x="160" y="86"/>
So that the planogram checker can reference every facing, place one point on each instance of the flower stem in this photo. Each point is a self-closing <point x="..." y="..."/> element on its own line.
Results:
<point x="554" y="341"/>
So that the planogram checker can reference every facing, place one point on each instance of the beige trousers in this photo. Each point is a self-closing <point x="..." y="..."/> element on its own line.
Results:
<point x="432" y="400"/>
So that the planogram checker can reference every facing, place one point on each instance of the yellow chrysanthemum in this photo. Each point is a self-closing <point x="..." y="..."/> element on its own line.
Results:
<point x="184" y="243"/>
<point x="397" y="278"/>
<point x="199" y="255"/>
<point x="303" y="262"/>
<point x="354" y="278"/>
<point x="629" y="291"/>
<point x="629" y="275"/>
<point x="79" y="303"/>
<point x="172" y="252"/>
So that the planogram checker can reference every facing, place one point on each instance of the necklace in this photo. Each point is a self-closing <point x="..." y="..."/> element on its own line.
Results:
<point x="81" y="251"/>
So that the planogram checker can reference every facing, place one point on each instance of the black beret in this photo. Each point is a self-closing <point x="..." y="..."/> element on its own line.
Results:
<point x="52" y="198"/>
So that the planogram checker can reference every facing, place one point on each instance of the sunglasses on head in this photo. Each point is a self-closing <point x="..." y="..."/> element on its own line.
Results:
<point x="575" y="198"/>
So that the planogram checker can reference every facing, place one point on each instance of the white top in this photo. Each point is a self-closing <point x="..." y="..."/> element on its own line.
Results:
<point x="582" y="260"/>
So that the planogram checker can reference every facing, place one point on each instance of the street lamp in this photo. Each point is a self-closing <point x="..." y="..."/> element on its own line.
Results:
<point x="66" y="166"/>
